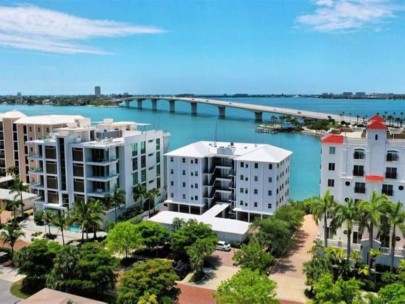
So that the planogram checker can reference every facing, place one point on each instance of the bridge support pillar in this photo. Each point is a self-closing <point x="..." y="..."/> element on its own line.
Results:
<point x="139" y="101"/>
<point x="193" y="108"/>
<point x="259" y="116"/>
<point x="154" y="104"/>
<point x="221" y="111"/>
<point x="127" y="103"/>
<point x="172" y="106"/>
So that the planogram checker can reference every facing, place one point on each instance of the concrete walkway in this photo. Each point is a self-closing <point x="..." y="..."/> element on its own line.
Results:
<point x="8" y="276"/>
<point x="288" y="273"/>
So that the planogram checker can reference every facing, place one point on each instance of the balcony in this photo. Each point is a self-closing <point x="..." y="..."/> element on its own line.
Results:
<point x="102" y="161"/>
<point x="36" y="170"/>
<point x="104" y="178"/>
<point x="37" y="186"/>
<point x="34" y="156"/>
<point x="217" y="167"/>
<point x="98" y="193"/>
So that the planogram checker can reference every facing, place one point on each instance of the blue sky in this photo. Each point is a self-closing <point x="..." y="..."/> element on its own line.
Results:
<point x="202" y="47"/>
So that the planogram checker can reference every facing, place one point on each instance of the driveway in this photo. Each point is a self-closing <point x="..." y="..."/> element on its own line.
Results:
<point x="288" y="273"/>
<point x="5" y="296"/>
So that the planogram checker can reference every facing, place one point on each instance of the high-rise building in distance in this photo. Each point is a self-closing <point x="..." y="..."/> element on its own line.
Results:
<point x="97" y="91"/>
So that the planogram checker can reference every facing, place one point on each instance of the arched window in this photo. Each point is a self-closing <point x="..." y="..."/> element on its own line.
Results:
<point x="359" y="154"/>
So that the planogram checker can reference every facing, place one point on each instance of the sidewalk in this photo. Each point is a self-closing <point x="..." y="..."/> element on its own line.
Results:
<point x="288" y="273"/>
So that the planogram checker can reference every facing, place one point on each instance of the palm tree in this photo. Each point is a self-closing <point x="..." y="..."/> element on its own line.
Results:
<point x="151" y="196"/>
<point x="346" y="214"/>
<point x="47" y="217"/>
<point x="370" y="215"/>
<point x="140" y="192"/>
<point x="87" y="215"/>
<point x="96" y="216"/>
<point x="178" y="223"/>
<point x="10" y="234"/>
<point x="78" y="215"/>
<point x="18" y="188"/>
<point x="396" y="218"/>
<point x="61" y="220"/>
<point x="12" y="170"/>
<point x="13" y="205"/>
<point x="117" y="198"/>
<point x="322" y="208"/>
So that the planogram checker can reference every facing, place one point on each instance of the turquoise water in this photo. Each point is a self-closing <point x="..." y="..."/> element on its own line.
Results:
<point x="75" y="229"/>
<point x="238" y="127"/>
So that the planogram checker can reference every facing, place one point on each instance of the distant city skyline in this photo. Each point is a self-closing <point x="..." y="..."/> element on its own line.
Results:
<point x="202" y="47"/>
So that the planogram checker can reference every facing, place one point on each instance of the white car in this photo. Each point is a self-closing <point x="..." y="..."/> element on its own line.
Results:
<point x="224" y="246"/>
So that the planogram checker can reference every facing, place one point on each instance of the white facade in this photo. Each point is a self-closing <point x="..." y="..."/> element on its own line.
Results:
<point x="252" y="178"/>
<point x="81" y="162"/>
<point x="353" y="165"/>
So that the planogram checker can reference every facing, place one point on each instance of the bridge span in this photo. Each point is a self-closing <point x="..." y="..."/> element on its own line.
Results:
<point x="258" y="110"/>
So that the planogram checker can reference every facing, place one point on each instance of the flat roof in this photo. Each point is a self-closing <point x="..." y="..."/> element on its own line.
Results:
<point x="216" y="209"/>
<point x="48" y="119"/>
<point x="237" y="151"/>
<point x="51" y="296"/>
<point x="217" y="224"/>
<point x="6" y="195"/>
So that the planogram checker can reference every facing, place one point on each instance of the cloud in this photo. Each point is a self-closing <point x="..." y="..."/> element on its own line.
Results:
<point x="34" y="28"/>
<point x="347" y="15"/>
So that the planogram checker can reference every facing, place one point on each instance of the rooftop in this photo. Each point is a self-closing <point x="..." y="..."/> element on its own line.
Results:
<point x="49" y="119"/>
<point x="51" y="296"/>
<point x="6" y="195"/>
<point x="238" y="151"/>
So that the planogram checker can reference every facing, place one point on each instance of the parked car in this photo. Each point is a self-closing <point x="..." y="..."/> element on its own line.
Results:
<point x="224" y="246"/>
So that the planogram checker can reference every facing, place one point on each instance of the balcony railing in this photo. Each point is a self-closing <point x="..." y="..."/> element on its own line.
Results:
<point x="397" y="252"/>
<point x="36" y="170"/>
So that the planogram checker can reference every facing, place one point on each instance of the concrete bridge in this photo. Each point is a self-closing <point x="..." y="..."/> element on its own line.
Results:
<point x="257" y="110"/>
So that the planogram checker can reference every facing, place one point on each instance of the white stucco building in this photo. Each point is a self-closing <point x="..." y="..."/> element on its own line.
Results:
<point x="252" y="178"/>
<point x="354" y="164"/>
<point x="81" y="161"/>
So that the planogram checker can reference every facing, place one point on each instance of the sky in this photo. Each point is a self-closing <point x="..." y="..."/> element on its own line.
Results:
<point x="202" y="47"/>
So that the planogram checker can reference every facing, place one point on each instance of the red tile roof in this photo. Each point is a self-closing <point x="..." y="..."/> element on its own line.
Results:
<point x="374" y="178"/>
<point x="376" y="118"/>
<point x="332" y="139"/>
<point x="376" y="125"/>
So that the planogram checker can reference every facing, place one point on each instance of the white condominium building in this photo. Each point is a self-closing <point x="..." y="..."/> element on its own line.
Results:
<point x="354" y="164"/>
<point x="253" y="179"/>
<point x="80" y="162"/>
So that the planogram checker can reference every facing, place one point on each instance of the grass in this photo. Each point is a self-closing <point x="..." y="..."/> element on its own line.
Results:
<point x="15" y="290"/>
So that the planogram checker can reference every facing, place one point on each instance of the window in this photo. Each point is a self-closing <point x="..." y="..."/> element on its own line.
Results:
<point x="356" y="237"/>
<point x="270" y="179"/>
<point x="241" y="177"/>
<point x="196" y="185"/>
<point x="172" y="194"/>
<point x="184" y="185"/>
<point x="241" y="190"/>
<point x="184" y="172"/>
<point x="196" y="161"/>
<point x="359" y="154"/>
<point x="143" y="176"/>
<point x="392" y="156"/>
<point x="391" y="173"/>
<point x="360" y="188"/>
<point x="171" y="171"/>
<point x="171" y="183"/>
<point x="331" y="166"/>
<point x="241" y="203"/>
<point x="256" y="165"/>
<point x="269" y="192"/>
<point x="184" y="160"/>
<point x="196" y="197"/>
<point x="358" y="170"/>
<point x="171" y="159"/>
<point x="247" y="166"/>
<point x="134" y="164"/>
<point x="134" y="148"/>
<point x="255" y="204"/>
<point x="242" y="164"/>
<point x="255" y="191"/>
<point x="332" y="150"/>
<point x="269" y="206"/>
<point x="331" y="183"/>
<point x="376" y="137"/>
<point x="387" y="190"/>
<point x="196" y="173"/>
<point x="184" y="196"/>
<point x="256" y="178"/>
<point x="135" y="179"/>
<point x="143" y="147"/>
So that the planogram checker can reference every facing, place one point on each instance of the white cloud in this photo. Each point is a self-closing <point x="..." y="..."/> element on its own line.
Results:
<point x="346" y="15"/>
<point x="33" y="28"/>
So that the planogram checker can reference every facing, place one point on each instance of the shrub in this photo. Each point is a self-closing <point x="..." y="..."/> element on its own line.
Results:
<point x="5" y="249"/>
<point x="38" y="217"/>
<point x="388" y="277"/>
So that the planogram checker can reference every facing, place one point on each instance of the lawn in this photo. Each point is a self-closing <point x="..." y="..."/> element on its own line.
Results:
<point x="15" y="290"/>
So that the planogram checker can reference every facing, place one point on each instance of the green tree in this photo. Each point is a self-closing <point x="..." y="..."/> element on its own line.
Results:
<point x="147" y="298"/>
<point x="370" y="215"/>
<point x="18" y="187"/>
<point x="347" y="215"/>
<point x="35" y="262"/>
<point x="13" y="205"/>
<point x="327" y="290"/>
<point x="84" y="271"/>
<point x="178" y="223"/>
<point x="187" y="235"/>
<point x="274" y="234"/>
<point x="393" y="294"/>
<point x="247" y="287"/>
<point x="12" y="170"/>
<point x="293" y="214"/>
<point x="151" y="197"/>
<point x="123" y="238"/>
<point x="117" y="199"/>
<point x="10" y="234"/>
<point x="140" y="193"/>
<point x="199" y="250"/>
<point x="152" y="234"/>
<point x="62" y="221"/>
<point x="155" y="277"/>
<point x="322" y="208"/>
<point x="88" y="216"/>
<point x="253" y="257"/>
<point x="396" y="218"/>
<point x="48" y="217"/>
